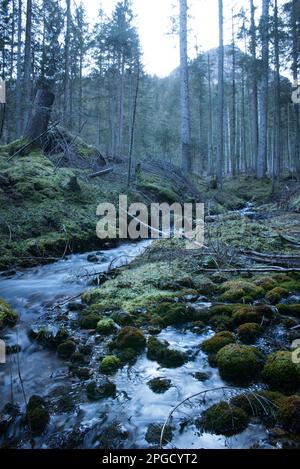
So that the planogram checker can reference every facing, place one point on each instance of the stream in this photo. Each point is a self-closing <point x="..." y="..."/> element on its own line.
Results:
<point x="123" y="419"/>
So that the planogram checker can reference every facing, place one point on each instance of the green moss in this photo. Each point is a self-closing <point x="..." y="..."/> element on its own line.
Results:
<point x="8" y="317"/>
<point x="154" y="433"/>
<point x="239" y="363"/>
<point x="160" y="187"/>
<point x="66" y="349"/>
<point x="224" y="419"/>
<point x="90" y="321"/>
<point x="130" y="337"/>
<point x="96" y="391"/>
<point x="106" y="326"/>
<point x="166" y="357"/>
<point x="254" y="314"/>
<point x="172" y="314"/>
<point x="258" y="404"/>
<point x="110" y="364"/>
<point x="159" y="385"/>
<point x="275" y="295"/>
<point x="218" y="341"/>
<point x="290" y="310"/>
<point x="220" y="323"/>
<point x="237" y="290"/>
<point x="77" y="358"/>
<point x="37" y="415"/>
<point x="223" y="309"/>
<point x="248" y="332"/>
<point x="280" y="373"/>
<point x="289" y="413"/>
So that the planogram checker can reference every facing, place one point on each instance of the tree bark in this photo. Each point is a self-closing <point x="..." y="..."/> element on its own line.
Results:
<point x="39" y="119"/>
<point x="254" y="86"/>
<point x="27" y="61"/>
<point x="220" y="151"/>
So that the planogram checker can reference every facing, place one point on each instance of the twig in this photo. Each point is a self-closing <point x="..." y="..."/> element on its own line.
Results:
<point x="100" y="173"/>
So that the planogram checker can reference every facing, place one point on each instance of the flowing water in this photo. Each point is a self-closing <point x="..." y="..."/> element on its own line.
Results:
<point x="124" y="419"/>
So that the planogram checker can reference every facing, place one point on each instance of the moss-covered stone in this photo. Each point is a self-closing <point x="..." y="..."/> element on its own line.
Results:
<point x="224" y="419"/>
<point x="77" y="358"/>
<point x="248" y="332"/>
<point x="240" y="290"/>
<point x="153" y="434"/>
<point x="275" y="295"/>
<point x="289" y="413"/>
<point x="239" y="363"/>
<point x="165" y="356"/>
<point x="159" y="385"/>
<point x="66" y="349"/>
<point x="90" y="321"/>
<point x="222" y="309"/>
<point x="172" y="314"/>
<point x="106" y="326"/>
<point x="130" y="337"/>
<point x="218" y="341"/>
<point x="258" y="403"/>
<point x="110" y="364"/>
<point x="254" y="314"/>
<point x="280" y="373"/>
<point x="8" y="317"/>
<point x="37" y="415"/>
<point x="289" y="310"/>
<point x="96" y="391"/>
<point x="221" y="323"/>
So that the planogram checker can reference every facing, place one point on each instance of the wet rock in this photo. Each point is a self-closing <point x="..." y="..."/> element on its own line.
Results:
<point x="65" y="404"/>
<point x="100" y="389"/>
<point x="13" y="349"/>
<point x="169" y="358"/>
<point x="159" y="385"/>
<point x="90" y="321"/>
<point x="49" y="336"/>
<point x="8" y="415"/>
<point x="122" y="318"/>
<point x="110" y="364"/>
<point x="224" y="419"/>
<point x="81" y="372"/>
<point x="153" y="434"/>
<point x="106" y="326"/>
<point x="66" y="349"/>
<point x="37" y="415"/>
<point x="73" y="306"/>
<point x="202" y="376"/>
<point x="130" y="337"/>
<point x="86" y="349"/>
<point x="111" y="436"/>
<point x="92" y="258"/>
<point x="77" y="358"/>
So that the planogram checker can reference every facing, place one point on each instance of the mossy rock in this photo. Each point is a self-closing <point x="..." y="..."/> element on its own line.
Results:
<point x="267" y="283"/>
<point x="37" y="415"/>
<point x="289" y="413"/>
<point x="218" y="341"/>
<point x="154" y="433"/>
<point x="289" y="310"/>
<point x="224" y="419"/>
<point x="172" y="314"/>
<point x="77" y="358"/>
<point x="8" y="317"/>
<point x="127" y="355"/>
<point x="239" y="363"/>
<point x="240" y="290"/>
<point x="258" y="404"/>
<point x="248" y="332"/>
<point x="254" y="314"/>
<point x="90" y="321"/>
<point x="106" y="326"/>
<point x="165" y="356"/>
<point x="130" y="337"/>
<point x="280" y="373"/>
<point x="221" y="323"/>
<point x="66" y="349"/>
<point x="159" y="385"/>
<point x="275" y="295"/>
<point x="222" y="309"/>
<point x="110" y="364"/>
<point x="96" y="391"/>
<point x="122" y="318"/>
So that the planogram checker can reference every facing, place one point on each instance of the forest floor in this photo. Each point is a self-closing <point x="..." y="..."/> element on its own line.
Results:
<point x="253" y="314"/>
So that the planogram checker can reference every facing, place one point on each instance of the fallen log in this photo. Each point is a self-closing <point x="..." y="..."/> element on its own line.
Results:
<point x="249" y="270"/>
<point x="287" y="260"/>
<point x="100" y="173"/>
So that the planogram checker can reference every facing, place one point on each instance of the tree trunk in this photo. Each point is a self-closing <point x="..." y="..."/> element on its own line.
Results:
<point x="19" y="71"/>
<point x="254" y="86"/>
<point x="210" y="130"/>
<point x="277" y="114"/>
<point x="27" y="62"/>
<point x="66" y="113"/>
<point x="220" y="151"/>
<point x="39" y="119"/>
<point x="261" y="167"/>
<point x="186" y="162"/>
<point x="233" y="110"/>
<point x="295" y="25"/>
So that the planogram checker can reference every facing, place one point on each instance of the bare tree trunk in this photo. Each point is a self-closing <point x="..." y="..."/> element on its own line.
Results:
<point x="233" y="110"/>
<point x="277" y="114"/>
<point x="220" y="151"/>
<point x="210" y="129"/>
<point x="39" y="119"/>
<point x="295" y="25"/>
<point x="254" y="86"/>
<point x="66" y="113"/>
<point x="133" y="124"/>
<point x="27" y="62"/>
<point x="19" y="71"/>
<point x="261" y="168"/>
<point x="186" y="162"/>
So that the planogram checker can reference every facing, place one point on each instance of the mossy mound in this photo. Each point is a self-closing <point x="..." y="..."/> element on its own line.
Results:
<point x="172" y="314"/>
<point x="153" y="434"/>
<point x="169" y="358"/>
<point x="258" y="404"/>
<point x="110" y="364"/>
<point x="96" y="391"/>
<point x="275" y="295"/>
<point x="37" y="415"/>
<point x="224" y="419"/>
<point x="106" y="326"/>
<point x="49" y="336"/>
<point x="77" y="358"/>
<point x="240" y="290"/>
<point x="221" y="323"/>
<point x="159" y="385"/>
<point x="8" y="317"/>
<point x="218" y="341"/>
<point x="248" y="332"/>
<point x="289" y="413"/>
<point x="239" y="363"/>
<point x="222" y="309"/>
<point x="255" y="314"/>
<point x="289" y="310"/>
<point x="130" y="338"/>
<point x="66" y="349"/>
<point x="280" y="373"/>
<point x="90" y="320"/>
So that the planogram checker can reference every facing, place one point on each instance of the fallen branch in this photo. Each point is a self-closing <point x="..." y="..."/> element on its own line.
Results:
<point x="290" y="240"/>
<point x="251" y="269"/>
<point x="100" y="173"/>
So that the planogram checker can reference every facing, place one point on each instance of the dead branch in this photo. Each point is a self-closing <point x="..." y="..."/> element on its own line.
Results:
<point x="100" y="173"/>
<point x="252" y="269"/>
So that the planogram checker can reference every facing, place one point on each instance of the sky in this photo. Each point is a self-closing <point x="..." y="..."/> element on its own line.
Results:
<point x="160" y="48"/>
